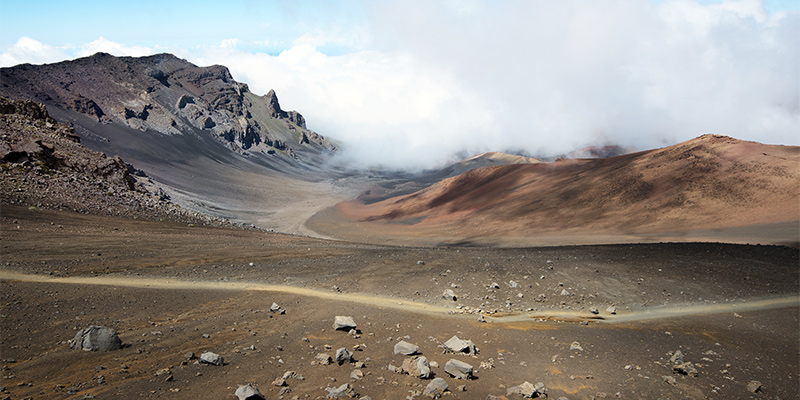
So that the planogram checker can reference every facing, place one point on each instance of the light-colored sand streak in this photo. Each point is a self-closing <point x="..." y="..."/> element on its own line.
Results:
<point x="653" y="313"/>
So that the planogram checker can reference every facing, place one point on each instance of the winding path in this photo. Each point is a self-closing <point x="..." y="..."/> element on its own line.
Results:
<point x="649" y="314"/>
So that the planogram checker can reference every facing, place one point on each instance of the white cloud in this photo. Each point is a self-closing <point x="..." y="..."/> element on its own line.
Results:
<point x="117" y="49"/>
<point x="423" y="81"/>
<point x="27" y="50"/>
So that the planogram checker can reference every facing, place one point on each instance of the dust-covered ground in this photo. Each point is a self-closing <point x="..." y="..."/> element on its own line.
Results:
<point x="172" y="289"/>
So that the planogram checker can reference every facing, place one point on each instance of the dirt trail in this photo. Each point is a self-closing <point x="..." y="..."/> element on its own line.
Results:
<point x="655" y="313"/>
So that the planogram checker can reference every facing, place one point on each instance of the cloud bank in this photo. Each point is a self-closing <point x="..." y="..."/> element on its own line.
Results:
<point x="424" y="81"/>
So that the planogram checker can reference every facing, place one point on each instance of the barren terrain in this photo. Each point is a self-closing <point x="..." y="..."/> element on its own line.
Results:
<point x="170" y="289"/>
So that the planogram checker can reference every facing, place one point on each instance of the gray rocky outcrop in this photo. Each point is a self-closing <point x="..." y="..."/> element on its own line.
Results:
<point x="96" y="338"/>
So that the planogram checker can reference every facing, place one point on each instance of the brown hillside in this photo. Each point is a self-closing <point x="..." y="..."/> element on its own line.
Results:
<point x="710" y="182"/>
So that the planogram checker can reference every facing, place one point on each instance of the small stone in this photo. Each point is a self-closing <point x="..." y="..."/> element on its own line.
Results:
<point x="341" y="391"/>
<point x="458" y="369"/>
<point x="343" y="356"/>
<point x="575" y="346"/>
<point x="670" y="379"/>
<point x="435" y="388"/>
<point x="417" y="366"/>
<point x="279" y="382"/>
<point x="594" y="310"/>
<point x="344" y="323"/>
<point x="528" y="390"/>
<point x="323" y="358"/>
<point x="405" y="348"/>
<point x="513" y="284"/>
<point x="212" y="358"/>
<point x="754" y="386"/>
<point x="456" y="345"/>
<point x="248" y="392"/>
<point x="686" y="368"/>
<point x="677" y="357"/>
<point x="564" y="292"/>
<point x="611" y="310"/>
<point x="357" y="374"/>
<point x="449" y="295"/>
<point x="277" y="309"/>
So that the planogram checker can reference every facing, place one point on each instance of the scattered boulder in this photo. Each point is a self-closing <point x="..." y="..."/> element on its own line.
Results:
<point x="528" y="390"/>
<point x="343" y="356"/>
<point x="611" y="310"/>
<point x="594" y="310"/>
<point x="279" y="382"/>
<point x="357" y="374"/>
<point x="96" y="338"/>
<point x="458" y="369"/>
<point x="686" y="368"/>
<point x="417" y="366"/>
<point x="212" y="358"/>
<point x="405" y="348"/>
<point x="277" y="309"/>
<point x="248" y="392"/>
<point x="670" y="379"/>
<point x="449" y="295"/>
<point x="513" y="284"/>
<point x="575" y="346"/>
<point x="342" y="391"/>
<point x="456" y="345"/>
<point x="494" y="285"/>
<point x="754" y="386"/>
<point x="435" y="388"/>
<point x="344" y="323"/>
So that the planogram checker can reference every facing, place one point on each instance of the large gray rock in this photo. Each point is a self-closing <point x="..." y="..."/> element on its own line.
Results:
<point x="417" y="366"/>
<point x="677" y="357"/>
<point x="248" y="392"/>
<point x="277" y="309"/>
<point x="457" y="345"/>
<point x="343" y="356"/>
<point x="458" y="369"/>
<point x="528" y="390"/>
<point x="405" y="348"/>
<point x="343" y="323"/>
<point x="96" y="338"/>
<point x="436" y="388"/>
<point x="449" y="295"/>
<point x="212" y="358"/>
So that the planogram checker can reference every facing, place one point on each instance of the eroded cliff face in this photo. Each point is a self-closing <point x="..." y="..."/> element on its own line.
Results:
<point x="169" y="95"/>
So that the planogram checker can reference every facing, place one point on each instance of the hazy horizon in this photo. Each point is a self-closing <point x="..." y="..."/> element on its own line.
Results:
<point x="418" y="84"/>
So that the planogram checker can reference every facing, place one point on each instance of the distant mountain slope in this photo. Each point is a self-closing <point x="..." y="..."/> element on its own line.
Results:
<point x="705" y="183"/>
<point x="168" y="95"/>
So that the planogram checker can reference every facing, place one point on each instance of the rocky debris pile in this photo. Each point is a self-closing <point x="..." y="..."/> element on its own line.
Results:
<point x="96" y="338"/>
<point x="43" y="164"/>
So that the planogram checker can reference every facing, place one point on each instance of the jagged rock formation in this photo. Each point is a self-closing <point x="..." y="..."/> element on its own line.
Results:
<point x="43" y="164"/>
<point x="169" y="95"/>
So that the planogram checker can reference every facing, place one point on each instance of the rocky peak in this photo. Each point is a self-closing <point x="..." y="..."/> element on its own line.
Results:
<point x="274" y="107"/>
